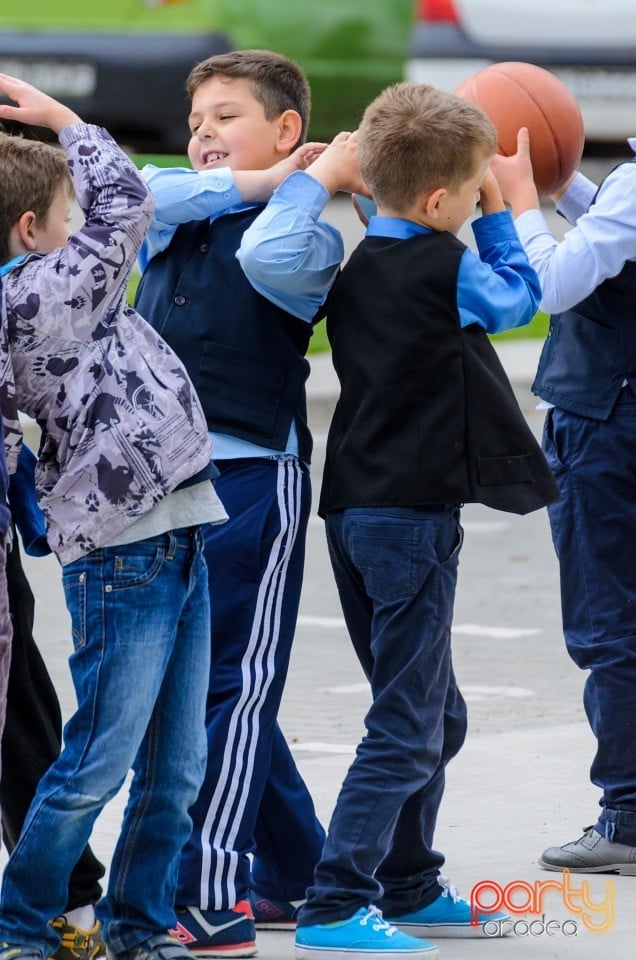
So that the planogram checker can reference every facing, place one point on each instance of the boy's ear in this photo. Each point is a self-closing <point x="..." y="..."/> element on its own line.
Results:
<point x="25" y="231"/>
<point x="290" y="127"/>
<point x="432" y="203"/>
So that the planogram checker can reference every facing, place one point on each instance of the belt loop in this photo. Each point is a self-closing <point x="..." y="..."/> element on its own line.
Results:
<point x="172" y="546"/>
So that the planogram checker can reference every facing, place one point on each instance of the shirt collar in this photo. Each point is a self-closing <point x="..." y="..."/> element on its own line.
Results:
<point x="395" y="227"/>
<point x="10" y="264"/>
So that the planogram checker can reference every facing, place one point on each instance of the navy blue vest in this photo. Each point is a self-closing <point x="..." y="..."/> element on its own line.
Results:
<point x="426" y="414"/>
<point x="591" y="349"/>
<point x="244" y="355"/>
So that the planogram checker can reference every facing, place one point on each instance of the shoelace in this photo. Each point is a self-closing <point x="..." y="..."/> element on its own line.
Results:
<point x="449" y="889"/>
<point x="379" y="923"/>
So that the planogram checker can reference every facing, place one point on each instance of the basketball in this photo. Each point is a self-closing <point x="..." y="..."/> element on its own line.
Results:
<point x="515" y="95"/>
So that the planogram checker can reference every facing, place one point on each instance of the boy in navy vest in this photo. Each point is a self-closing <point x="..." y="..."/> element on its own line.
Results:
<point x="426" y="420"/>
<point x="587" y="381"/>
<point x="245" y="353"/>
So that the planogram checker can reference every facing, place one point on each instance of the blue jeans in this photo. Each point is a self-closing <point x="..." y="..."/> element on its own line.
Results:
<point x="594" y="530"/>
<point x="396" y="571"/>
<point x="141" y="628"/>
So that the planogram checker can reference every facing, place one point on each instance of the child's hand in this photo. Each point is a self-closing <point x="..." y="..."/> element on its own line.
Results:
<point x="300" y="159"/>
<point x="34" y="107"/>
<point x="337" y="167"/>
<point x="514" y="175"/>
<point x="490" y="198"/>
<point x="258" y="185"/>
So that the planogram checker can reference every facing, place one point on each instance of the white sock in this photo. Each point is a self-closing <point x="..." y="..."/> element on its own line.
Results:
<point x="82" y="917"/>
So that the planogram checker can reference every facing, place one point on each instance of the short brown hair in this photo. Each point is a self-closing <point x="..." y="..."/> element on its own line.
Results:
<point x="30" y="175"/>
<point x="414" y="138"/>
<point x="277" y="82"/>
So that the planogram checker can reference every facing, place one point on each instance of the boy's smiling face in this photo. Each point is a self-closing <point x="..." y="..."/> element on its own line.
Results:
<point x="229" y="128"/>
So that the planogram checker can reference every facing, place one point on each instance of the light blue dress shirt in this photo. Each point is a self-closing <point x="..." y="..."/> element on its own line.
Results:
<point x="287" y="249"/>
<point x="183" y="195"/>
<point x="597" y="248"/>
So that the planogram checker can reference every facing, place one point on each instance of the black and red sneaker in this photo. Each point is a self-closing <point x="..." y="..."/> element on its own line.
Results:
<point x="217" y="933"/>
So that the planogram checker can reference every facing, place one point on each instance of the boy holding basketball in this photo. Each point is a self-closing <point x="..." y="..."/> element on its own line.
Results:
<point x="412" y="438"/>
<point x="587" y="382"/>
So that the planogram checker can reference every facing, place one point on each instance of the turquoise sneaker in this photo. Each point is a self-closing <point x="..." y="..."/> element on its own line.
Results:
<point x="364" y="936"/>
<point x="449" y="916"/>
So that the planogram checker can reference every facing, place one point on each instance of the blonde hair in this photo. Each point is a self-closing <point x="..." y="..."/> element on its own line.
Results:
<point x="277" y="82"/>
<point x="30" y="175"/>
<point x="415" y="138"/>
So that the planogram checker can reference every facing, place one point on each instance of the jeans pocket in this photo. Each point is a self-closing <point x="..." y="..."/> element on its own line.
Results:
<point x="74" y="584"/>
<point x="136" y="568"/>
<point x="449" y="558"/>
<point x="551" y="441"/>
<point x="387" y="555"/>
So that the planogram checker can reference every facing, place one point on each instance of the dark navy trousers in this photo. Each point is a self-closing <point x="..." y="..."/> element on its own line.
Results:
<point x="253" y="798"/>
<point x="396" y="572"/>
<point x="594" y="531"/>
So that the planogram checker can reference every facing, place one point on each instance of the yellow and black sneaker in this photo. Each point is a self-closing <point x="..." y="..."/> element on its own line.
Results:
<point x="77" y="944"/>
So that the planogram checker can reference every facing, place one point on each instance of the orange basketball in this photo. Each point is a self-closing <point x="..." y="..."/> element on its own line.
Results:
<point x="518" y="95"/>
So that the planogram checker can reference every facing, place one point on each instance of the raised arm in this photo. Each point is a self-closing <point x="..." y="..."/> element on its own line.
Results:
<point x="183" y="195"/>
<point x="289" y="254"/>
<point x="90" y="272"/>
<point x="596" y="248"/>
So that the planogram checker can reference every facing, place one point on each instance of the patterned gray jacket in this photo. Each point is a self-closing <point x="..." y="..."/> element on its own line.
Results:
<point x="121" y="422"/>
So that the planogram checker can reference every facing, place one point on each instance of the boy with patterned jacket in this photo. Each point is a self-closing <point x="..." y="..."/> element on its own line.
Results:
<point x="123" y="478"/>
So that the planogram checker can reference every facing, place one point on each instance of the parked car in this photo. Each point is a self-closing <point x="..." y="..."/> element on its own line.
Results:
<point x="123" y="63"/>
<point x="589" y="44"/>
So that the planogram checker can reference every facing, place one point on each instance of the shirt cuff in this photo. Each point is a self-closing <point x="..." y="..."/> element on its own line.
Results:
<point x="494" y="228"/>
<point x="577" y="198"/>
<point x="305" y="192"/>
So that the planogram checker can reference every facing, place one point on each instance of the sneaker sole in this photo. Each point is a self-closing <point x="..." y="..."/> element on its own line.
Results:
<point x="452" y="931"/>
<point x="232" y="950"/>
<point x="302" y="952"/>
<point x="624" y="869"/>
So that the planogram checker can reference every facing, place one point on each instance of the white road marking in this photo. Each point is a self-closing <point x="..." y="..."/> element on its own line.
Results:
<point x="474" y="692"/>
<point x="331" y="623"/>
<point x="461" y="629"/>
<point x="499" y="633"/>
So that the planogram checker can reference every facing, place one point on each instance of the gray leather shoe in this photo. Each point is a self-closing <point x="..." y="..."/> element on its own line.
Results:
<point x="591" y="853"/>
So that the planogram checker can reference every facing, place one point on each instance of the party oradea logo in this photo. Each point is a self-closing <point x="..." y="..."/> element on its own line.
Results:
<point x="527" y="904"/>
